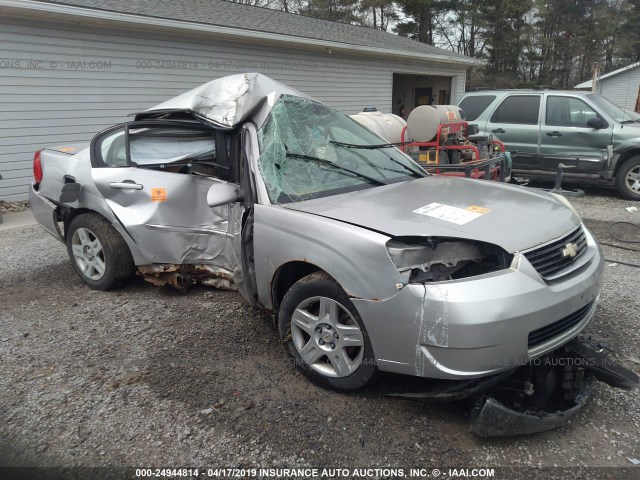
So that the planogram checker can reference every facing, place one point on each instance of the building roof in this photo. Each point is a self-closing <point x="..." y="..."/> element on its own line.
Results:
<point x="253" y="22"/>
<point x="587" y="84"/>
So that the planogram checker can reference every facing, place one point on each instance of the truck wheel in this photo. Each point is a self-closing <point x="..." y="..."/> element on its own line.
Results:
<point x="98" y="253"/>
<point x="628" y="179"/>
<point x="325" y="335"/>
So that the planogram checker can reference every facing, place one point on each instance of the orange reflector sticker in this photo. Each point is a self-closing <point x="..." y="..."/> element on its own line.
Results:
<point x="159" y="194"/>
<point x="68" y="149"/>
<point x="477" y="209"/>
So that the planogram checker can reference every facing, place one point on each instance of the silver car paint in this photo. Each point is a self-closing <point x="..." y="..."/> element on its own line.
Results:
<point x="155" y="232"/>
<point x="453" y="329"/>
<point x="230" y="101"/>
<point x="389" y="209"/>
<point x="476" y="326"/>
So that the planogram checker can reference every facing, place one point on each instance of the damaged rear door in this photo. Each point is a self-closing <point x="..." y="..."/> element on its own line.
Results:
<point x="155" y="176"/>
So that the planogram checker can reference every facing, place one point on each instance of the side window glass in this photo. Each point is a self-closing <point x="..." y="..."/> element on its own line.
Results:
<point x="112" y="149"/>
<point x="152" y="146"/>
<point x="521" y="109"/>
<point x="168" y="148"/>
<point x="568" y="112"/>
<point x="475" y="105"/>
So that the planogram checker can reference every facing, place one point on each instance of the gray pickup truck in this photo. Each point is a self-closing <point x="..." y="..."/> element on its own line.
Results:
<point x="543" y="128"/>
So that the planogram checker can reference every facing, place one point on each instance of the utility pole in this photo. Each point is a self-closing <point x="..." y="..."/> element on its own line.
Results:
<point x="594" y="80"/>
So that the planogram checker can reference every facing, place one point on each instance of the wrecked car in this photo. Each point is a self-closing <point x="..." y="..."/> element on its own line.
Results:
<point x="367" y="262"/>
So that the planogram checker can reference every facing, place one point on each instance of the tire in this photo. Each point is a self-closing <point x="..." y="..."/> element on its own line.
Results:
<point x="98" y="253"/>
<point x="325" y="335"/>
<point x="628" y="179"/>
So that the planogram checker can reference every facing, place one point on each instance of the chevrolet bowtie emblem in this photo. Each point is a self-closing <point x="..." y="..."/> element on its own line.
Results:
<point x="570" y="250"/>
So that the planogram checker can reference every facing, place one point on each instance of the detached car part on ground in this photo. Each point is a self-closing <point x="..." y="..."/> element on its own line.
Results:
<point x="367" y="262"/>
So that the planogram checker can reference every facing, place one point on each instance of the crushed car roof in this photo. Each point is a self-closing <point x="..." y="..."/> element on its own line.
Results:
<point x="226" y="101"/>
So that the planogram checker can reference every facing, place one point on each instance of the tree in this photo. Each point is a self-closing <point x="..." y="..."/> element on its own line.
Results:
<point x="377" y="13"/>
<point x="335" y="10"/>
<point x="420" y="18"/>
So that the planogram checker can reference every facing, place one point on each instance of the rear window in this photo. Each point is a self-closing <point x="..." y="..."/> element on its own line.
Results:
<point x="475" y="105"/>
<point x="522" y="109"/>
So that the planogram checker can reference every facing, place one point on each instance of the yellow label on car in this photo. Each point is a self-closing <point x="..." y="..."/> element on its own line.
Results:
<point x="159" y="194"/>
<point x="477" y="209"/>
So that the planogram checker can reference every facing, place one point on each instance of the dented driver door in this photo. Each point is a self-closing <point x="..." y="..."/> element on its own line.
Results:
<point x="155" y="177"/>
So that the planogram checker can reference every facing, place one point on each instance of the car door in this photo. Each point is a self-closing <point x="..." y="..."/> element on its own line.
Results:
<point x="515" y="122"/>
<point x="567" y="138"/>
<point x="155" y="177"/>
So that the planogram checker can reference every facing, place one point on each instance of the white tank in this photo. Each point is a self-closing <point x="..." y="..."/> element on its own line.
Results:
<point x="423" y="121"/>
<point x="386" y="125"/>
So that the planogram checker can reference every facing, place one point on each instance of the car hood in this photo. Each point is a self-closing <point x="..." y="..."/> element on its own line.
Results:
<point x="515" y="218"/>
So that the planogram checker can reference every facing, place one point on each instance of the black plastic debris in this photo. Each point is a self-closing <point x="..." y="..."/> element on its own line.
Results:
<point x="541" y="395"/>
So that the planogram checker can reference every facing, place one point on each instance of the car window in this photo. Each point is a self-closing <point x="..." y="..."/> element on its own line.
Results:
<point x="169" y="145"/>
<point x="568" y="112"/>
<point x="521" y="109"/>
<point x="475" y="105"/>
<point x="112" y="149"/>
<point x="170" y="148"/>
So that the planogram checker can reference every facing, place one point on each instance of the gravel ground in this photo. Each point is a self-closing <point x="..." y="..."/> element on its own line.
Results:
<point x="145" y="376"/>
<point x="12" y="207"/>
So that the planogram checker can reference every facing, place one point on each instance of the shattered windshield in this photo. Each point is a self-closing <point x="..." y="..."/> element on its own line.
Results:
<point x="298" y="160"/>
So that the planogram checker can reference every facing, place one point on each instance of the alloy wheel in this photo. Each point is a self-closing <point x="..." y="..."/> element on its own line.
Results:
<point x="327" y="337"/>
<point x="88" y="253"/>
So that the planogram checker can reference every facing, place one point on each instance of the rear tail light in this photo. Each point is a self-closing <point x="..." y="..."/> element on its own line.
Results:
<point x="37" y="168"/>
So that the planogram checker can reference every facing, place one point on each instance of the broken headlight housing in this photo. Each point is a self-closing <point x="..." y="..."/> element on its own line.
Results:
<point x="420" y="259"/>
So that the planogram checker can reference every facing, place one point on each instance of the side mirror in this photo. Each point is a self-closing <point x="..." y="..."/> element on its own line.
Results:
<point x="222" y="194"/>
<point x="595" y="122"/>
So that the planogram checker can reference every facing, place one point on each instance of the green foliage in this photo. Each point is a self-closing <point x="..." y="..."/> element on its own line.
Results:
<point x="524" y="42"/>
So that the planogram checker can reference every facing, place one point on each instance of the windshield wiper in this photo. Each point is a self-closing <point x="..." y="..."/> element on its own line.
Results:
<point x="630" y="120"/>
<point x="338" y="167"/>
<point x="379" y="147"/>
<point x="368" y="147"/>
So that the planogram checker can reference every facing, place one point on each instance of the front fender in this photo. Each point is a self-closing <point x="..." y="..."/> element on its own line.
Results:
<point x="355" y="257"/>
<point x="623" y="149"/>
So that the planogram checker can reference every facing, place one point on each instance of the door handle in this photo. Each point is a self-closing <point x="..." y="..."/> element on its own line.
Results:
<point x="498" y="130"/>
<point x="554" y="134"/>
<point x="126" y="185"/>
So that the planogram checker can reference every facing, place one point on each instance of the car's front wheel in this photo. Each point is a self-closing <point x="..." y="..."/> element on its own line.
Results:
<point x="628" y="179"/>
<point x="325" y="334"/>
<point x="98" y="253"/>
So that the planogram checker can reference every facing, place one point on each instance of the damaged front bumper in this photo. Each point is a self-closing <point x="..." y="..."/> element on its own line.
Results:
<point x="479" y="326"/>
<point x="540" y="396"/>
<point x="546" y="394"/>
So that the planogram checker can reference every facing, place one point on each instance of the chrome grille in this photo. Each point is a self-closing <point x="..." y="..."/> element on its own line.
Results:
<point x="550" y="259"/>
<point x="543" y="334"/>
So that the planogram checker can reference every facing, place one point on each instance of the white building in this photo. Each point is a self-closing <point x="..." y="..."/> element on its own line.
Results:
<point x="69" y="68"/>
<point x="621" y="86"/>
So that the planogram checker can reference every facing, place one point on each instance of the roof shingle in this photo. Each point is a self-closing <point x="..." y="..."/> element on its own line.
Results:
<point x="246" y="17"/>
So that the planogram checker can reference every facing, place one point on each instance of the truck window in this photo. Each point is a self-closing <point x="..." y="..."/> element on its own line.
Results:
<point x="568" y="112"/>
<point x="475" y="105"/>
<point x="522" y="109"/>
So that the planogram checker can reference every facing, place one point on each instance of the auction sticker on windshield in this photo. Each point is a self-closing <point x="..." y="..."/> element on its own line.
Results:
<point x="456" y="215"/>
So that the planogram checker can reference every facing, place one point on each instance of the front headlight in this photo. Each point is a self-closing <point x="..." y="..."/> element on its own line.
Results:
<point x="422" y="260"/>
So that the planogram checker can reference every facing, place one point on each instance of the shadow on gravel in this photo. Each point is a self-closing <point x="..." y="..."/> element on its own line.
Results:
<point x="229" y="369"/>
